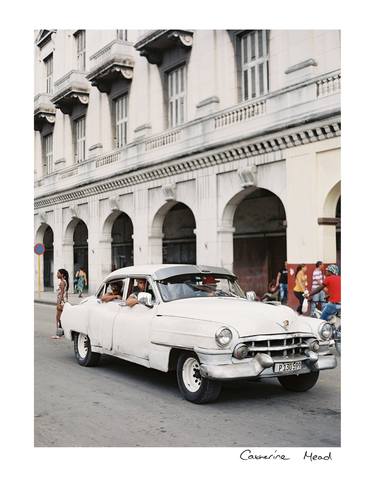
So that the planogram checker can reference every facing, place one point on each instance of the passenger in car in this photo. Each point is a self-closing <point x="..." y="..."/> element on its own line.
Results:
<point x="114" y="294"/>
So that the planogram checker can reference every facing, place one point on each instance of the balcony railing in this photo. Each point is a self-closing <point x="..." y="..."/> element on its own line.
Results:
<point x="111" y="62"/>
<point x="108" y="159"/>
<point x="72" y="88"/>
<point x="240" y="113"/>
<point x="163" y="140"/>
<point x="329" y="85"/>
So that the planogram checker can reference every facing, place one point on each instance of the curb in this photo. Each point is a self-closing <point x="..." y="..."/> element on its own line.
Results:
<point x="46" y="302"/>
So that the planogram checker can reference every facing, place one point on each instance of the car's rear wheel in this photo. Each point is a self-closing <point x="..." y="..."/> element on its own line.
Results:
<point x="82" y="350"/>
<point x="192" y="385"/>
<point x="299" y="383"/>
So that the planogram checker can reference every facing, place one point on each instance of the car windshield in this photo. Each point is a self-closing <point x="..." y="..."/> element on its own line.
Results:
<point x="199" y="285"/>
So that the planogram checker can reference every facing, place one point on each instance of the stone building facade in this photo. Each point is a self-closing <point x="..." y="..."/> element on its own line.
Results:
<point x="218" y="147"/>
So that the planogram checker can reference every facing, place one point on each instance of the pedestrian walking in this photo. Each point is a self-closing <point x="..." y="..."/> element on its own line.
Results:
<point x="62" y="298"/>
<point x="282" y="283"/>
<point x="318" y="299"/>
<point x="81" y="281"/>
<point x="300" y="286"/>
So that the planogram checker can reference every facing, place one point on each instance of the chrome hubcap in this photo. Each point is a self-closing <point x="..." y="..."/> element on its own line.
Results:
<point x="191" y="375"/>
<point x="82" y="345"/>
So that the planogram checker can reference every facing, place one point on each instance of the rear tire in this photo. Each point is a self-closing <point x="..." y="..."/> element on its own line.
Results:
<point x="299" y="383"/>
<point x="82" y="350"/>
<point x="192" y="385"/>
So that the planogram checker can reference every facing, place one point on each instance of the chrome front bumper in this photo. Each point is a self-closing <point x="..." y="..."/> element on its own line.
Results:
<point x="261" y="366"/>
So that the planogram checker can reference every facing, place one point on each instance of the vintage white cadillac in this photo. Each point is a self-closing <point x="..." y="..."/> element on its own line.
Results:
<point x="197" y="321"/>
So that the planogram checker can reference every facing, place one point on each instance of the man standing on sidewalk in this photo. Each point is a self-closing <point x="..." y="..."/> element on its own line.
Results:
<point x="282" y="282"/>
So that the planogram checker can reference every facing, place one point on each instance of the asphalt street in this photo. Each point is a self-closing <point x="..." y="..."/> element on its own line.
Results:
<point x="121" y="404"/>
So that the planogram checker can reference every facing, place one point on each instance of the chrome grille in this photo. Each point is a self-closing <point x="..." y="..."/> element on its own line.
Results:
<point x="278" y="347"/>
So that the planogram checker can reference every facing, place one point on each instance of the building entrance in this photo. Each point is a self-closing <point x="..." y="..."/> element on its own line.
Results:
<point x="259" y="240"/>
<point x="80" y="248"/>
<point x="179" y="242"/>
<point x="122" y="242"/>
<point x="48" y="268"/>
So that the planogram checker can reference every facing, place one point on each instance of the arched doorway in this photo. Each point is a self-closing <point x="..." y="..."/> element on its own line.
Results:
<point x="259" y="239"/>
<point x="80" y="248"/>
<point x="338" y="233"/>
<point x="179" y="242"/>
<point x="48" y="268"/>
<point x="122" y="242"/>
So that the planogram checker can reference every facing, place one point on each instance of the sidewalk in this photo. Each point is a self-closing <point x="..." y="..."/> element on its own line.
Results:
<point x="49" y="297"/>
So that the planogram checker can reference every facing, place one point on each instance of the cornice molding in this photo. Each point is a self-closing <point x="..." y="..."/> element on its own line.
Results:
<point x="253" y="148"/>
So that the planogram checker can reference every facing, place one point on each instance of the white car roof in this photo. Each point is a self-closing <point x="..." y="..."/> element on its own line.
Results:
<point x="162" y="271"/>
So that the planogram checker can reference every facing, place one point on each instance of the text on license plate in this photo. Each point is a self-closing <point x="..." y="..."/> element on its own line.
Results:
<point x="292" y="366"/>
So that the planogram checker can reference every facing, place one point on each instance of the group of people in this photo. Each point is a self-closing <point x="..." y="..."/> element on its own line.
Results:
<point x="116" y="291"/>
<point x="325" y="291"/>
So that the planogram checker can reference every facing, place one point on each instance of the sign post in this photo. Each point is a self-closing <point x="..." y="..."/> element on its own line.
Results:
<point x="39" y="250"/>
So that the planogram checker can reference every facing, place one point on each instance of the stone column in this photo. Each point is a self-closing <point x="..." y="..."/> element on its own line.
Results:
<point x="225" y="246"/>
<point x="95" y="252"/>
<point x="206" y="221"/>
<point x="140" y="228"/>
<point x="104" y="257"/>
<point x="67" y="258"/>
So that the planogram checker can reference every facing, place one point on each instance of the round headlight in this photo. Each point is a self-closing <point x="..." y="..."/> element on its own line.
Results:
<point x="223" y="336"/>
<point x="325" y="331"/>
<point x="240" y="351"/>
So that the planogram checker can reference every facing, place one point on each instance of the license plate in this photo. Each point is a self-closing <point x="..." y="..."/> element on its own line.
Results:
<point x="286" y="367"/>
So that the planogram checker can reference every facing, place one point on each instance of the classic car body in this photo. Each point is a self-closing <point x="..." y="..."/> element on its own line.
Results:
<point x="197" y="320"/>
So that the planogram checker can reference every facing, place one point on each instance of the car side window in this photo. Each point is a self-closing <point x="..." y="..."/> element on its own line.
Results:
<point x="133" y="287"/>
<point x="115" y="287"/>
<point x="101" y="291"/>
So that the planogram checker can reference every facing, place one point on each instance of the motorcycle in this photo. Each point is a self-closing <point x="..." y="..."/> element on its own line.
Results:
<point x="335" y="322"/>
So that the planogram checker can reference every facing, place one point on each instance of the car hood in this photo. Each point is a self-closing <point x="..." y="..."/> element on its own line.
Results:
<point x="248" y="318"/>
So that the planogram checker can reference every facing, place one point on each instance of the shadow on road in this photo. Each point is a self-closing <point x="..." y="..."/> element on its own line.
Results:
<point x="232" y="391"/>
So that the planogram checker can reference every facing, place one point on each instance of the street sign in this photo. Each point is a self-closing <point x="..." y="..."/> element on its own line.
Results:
<point x="39" y="249"/>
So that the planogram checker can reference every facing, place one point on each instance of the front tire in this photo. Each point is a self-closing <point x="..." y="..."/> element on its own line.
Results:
<point x="299" y="383"/>
<point x="82" y="350"/>
<point x="192" y="385"/>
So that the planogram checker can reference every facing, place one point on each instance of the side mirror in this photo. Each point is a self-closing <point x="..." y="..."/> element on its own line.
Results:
<point x="251" y="295"/>
<point x="145" y="299"/>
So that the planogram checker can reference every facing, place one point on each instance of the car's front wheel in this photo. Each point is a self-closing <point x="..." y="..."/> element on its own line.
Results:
<point x="192" y="385"/>
<point x="82" y="350"/>
<point x="299" y="383"/>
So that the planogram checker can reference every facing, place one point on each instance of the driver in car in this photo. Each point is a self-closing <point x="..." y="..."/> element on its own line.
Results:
<point x="133" y="297"/>
<point x="114" y="294"/>
<point x="210" y="285"/>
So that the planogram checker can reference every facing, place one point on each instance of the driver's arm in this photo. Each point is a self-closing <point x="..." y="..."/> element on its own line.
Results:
<point x="110" y="297"/>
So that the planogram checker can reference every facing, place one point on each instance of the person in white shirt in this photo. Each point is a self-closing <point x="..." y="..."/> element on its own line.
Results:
<point x="318" y="299"/>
